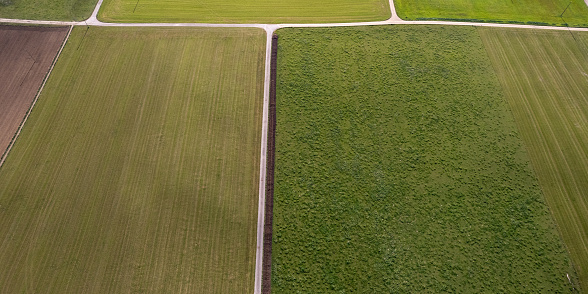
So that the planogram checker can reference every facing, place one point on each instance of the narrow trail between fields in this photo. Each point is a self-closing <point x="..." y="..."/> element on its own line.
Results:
<point x="263" y="160"/>
<point x="4" y="153"/>
<point x="270" y="29"/>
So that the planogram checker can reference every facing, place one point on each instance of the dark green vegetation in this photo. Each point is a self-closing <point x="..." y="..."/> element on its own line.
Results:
<point x="66" y="10"/>
<point x="137" y="170"/>
<point x="244" y="11"/>
<point x="399" y="169"/>
<point x="542" y="12"/>
<point x="545" y="78"/>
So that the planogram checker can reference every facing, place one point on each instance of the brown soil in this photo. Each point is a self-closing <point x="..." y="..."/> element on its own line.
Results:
<point x="26" y="54"/>
<point x="269" y="183"/>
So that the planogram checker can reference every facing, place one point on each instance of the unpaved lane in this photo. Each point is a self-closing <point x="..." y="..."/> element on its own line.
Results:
<point x="26" y="54"/>
<point x="263" y="162"/>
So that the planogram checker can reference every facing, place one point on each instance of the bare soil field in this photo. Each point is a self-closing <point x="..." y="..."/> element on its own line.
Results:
<point x="26" y="53"/>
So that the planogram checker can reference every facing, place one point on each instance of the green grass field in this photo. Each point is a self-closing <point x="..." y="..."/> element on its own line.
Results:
<point x="244" y="11"/>
<point x="138" y="169"/>
<point x="66" y="10"/>
<point x="545" y="78"/>
<point x="521" y="11"/>
<point x="399" y="169"/>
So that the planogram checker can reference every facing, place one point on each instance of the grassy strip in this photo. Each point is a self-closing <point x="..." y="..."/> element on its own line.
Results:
<point x="244" y="11"/>
<point x="399" y="169"/>
<point x="66" y="10"/>
<point x="544" y="76"/>
<point x="138" y="169"/>
<point x="537" y="12"/>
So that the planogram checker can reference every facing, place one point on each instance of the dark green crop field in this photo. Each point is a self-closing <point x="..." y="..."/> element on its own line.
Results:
<point x="544" y="12"/>
<point x="138" y="169"/>
<point x="66" y="10"/>
<point x="399" y="169"/>
<point x="545" y="78"/>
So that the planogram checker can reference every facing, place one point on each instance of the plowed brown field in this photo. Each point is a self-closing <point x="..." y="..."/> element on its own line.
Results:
<point x="26" y="54"/>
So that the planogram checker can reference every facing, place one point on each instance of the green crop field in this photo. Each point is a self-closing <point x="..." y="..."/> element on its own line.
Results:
<point x="520" y="11"/>
<point x="545" y="78"/>
<point x="399" y="169"/>
<point x="244" y="11"/>
<point x="66" y="10"/>
<point x="138" y="169"/>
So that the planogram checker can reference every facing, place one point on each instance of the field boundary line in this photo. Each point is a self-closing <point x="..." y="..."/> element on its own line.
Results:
<point x="38" y="22"/>
<point x="24" y="120"/>
<point x="290" y="25"/>
<point x="269" y="184"/>
<point x="269" y="29"/>
<point x="394" y="19"/>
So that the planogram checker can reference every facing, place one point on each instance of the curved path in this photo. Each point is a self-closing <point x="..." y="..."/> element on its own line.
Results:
<point x="269" y="29"/>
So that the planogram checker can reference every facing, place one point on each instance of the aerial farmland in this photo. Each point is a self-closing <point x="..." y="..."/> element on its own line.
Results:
<point x="65" y="10"/>
<point x="238" y="11"/>
<point x="270" y="146"/>
<point x="558" y="12"/>
<point x="417" y="178"/>
<point x="127" y="171"/>
<point x="544" y="78"/>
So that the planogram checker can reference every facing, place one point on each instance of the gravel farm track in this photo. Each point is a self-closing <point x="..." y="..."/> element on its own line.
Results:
<point x="28" y="53"/>
<point x="269" y="29"/>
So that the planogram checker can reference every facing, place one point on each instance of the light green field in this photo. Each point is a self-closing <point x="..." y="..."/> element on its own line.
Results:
<point x="545" y="78"/>
<point x="138" y="169"/>
<point x="519" y="11"/>
<point x="66" y="10"/>
<point x="244" y="11"/>
<point x="399" y="169"/>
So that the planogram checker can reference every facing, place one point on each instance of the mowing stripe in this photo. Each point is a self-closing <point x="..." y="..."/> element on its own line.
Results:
<point x="548" y="100"/>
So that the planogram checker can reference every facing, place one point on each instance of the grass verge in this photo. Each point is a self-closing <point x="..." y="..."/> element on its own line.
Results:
<point x="399" y="169"/>
<point x="138" y="169"/>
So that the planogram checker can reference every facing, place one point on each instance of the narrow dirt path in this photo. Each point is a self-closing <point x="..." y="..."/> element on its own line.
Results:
<point x="263" y="162"/>
<point x="22" y="111"/>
